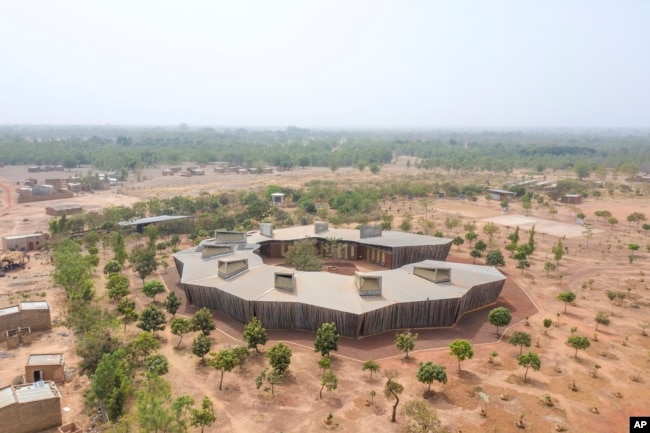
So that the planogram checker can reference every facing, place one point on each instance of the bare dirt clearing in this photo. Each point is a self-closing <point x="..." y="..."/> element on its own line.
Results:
<point x="592" y="267"/>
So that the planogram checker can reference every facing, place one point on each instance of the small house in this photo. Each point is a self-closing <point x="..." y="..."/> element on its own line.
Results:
<point x="28" y="242"/>
<point x="501" y="194"/>
<point x="30" y="408"/>
<point x="48" y="366"/>
<point x="571" y="199"/>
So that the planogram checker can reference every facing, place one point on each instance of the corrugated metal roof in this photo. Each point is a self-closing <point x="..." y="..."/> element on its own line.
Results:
<point x="36" y="305"/>
<point x="45" y="359"/>
<point x="9" y="310"/>
<point x="7" y="397"/>
<point x="33" y="392"/>
<point x="150" y="220"/>
<point x="24" y="236"/>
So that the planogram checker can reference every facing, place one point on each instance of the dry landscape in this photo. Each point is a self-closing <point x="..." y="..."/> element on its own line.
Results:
<point x="603" y="399"/>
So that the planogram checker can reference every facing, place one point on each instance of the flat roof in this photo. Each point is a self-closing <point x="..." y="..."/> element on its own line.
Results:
<point x="9" y="310"/>
<point x="155" y="219"/>
<point x="34" y="392"/>
<point x="7" y="397"/>
<point x="331" y="290"/>
<point x="500" y="191"/>
<point x="45" y="359"/>
<point x="387" y="238"/>
<point x="36" y="305"/>
<point x="23" y="236"/>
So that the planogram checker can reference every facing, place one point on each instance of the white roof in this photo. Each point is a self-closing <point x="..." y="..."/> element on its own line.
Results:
<point x="37" y="305"/>
<point x="46" y="359"/>
<point x="7" y="397"/>
<point x="23" y="236"/>
<point x="9" y="310"/>
<point x="34" y="392"/>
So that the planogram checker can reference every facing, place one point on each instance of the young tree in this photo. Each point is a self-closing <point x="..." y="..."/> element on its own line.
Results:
<point x="152" y="319"/>
<point x="495" y="258"/>
<point x="325" y="363"/>
<point x="157" y="364"/>
<point x="530" y="359"/>
<point x="462" y="350"/>
<point x="421" y="419"/>
<point x="458" y="241"/>
<point x="326" y="339"/>
<point x="201" y="346"/>
<point x="202" y="321"/>
<point x="119" y="249"/>
<point x="520" y="339"/>
<point x="223" y="361"/>
<point x="499" y="316"/>
<point x="549" y="266"/>
<point x="578" y="342"/>
<point x="394" y="389"/>
<point x="531" y="240"/>
<point x="203" y="417"/>
<point x="143" y="344"/>
<point x="405" y="342"/>
<point x="491" y="229"/>
<point x="129" y="315"/>
<point x="111" y="382"/>
<point x="481" y="245"/>
<point x="303" y="255"/>
<point x="612" y="297"/>
<point x="117" y="286"/>
<point x="180" y="326"/>
<point x="613" y="221"/>
<point x="329" y="381"/>
<point x="476" y="254"/>
<point x="429" y="372"/>
<point x="547" y="324"/>
<point x="112" y="267"/>
<point x="255" y="334"/>
<point x="471" y="236"/>
<point x="240" y="353"/>
<point x="371" y="365"/>
<point x="637" y="218"/>
<point x="558" y="252"/>
<point x="279" y="358"/>
<point x="566" y="297"/>
<point x="271" y="377"/>
<point x="602" y="319"/>
<point x="451" y="222"/>
<point x="152" y="288"/>
<point x="143" y="261"/>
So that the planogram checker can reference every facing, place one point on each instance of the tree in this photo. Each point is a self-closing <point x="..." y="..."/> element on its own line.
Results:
<point x="480" y="245"/>
<point x="201" y="346"/>
<point x="405" y="342"/>
<point x="547" y="324"/>
<point x="604" y="214"/>
<point x="271" y="377"/>
<point x="143" y="261"/>
<point x="632" y="247"/>
<point x="394" y="389"/>
<point x="279" y="358"/>
<point x="172" y="303"/>
<point x="636" y="217"/>
<point x="203" y="417"/>
<point x="602" y="319"/>
<point x="325" y="363"/>
<point x="156" y="410"/>
<point x="476" y="254"/>
<point x="223" y="361"/>
<point x="531" y="240"/>
<point x="520" y="339"/>
<point x="111" y="382"/>
<point x="613" y="221"/>
<point x="429" y="372"/>
<point x="549" y="266"/>
<point x="495" y="258"/>
<point x="157" y="364"/>
<point x="326" y="339"/>
<point x="255" y="334"/>
<point x="451" y="222"/>
<point x="462" y="350"/>
<point x="558" y="252"/>
<point x="566" y="297"/>
<point x="180" y="326"/>
<point x="117" y="286"/>
<point x="582" y="169"/>
<point x="499" y="316"/>
<point x="143" y="344"/>
<point x="458" y="241"/>
<point x="202" y="321"/>
<point x="152" y="319"/>
<point x="329" y="381"/>
<point x="152" y="288"/>
<point x="612" y="297"/>
<point x="119" y="249"/>
<point x="491" y="229"/>
<point x="421" y="419"/>
<point x="371" y="365"/>
<point x="578" y="342"/>
<point x="471" y="237"/>
<point x="530" y="359"/>
<point x="645" y="227"/>
<point x="129" y="315"/>
<point x="303" y="255"/>
<point x="112" y="267"/>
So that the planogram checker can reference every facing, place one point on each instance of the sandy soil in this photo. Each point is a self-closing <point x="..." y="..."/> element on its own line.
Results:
<point x="591" y="268"/>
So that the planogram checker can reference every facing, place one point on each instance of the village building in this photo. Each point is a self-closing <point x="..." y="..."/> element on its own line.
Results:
<point x="413" y="288"/>
<point x="34" y="316"/>
<point x="64" y="209"/>
<point x="500" y="194"/>
<point x="49" y="366"/>
<point x="30" y="408"/>
<point x="571" y="199"/>
<point x="26" y="242"/>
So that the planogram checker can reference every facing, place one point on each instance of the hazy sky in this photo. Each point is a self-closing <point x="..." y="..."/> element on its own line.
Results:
<point x="326" y="63"/>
